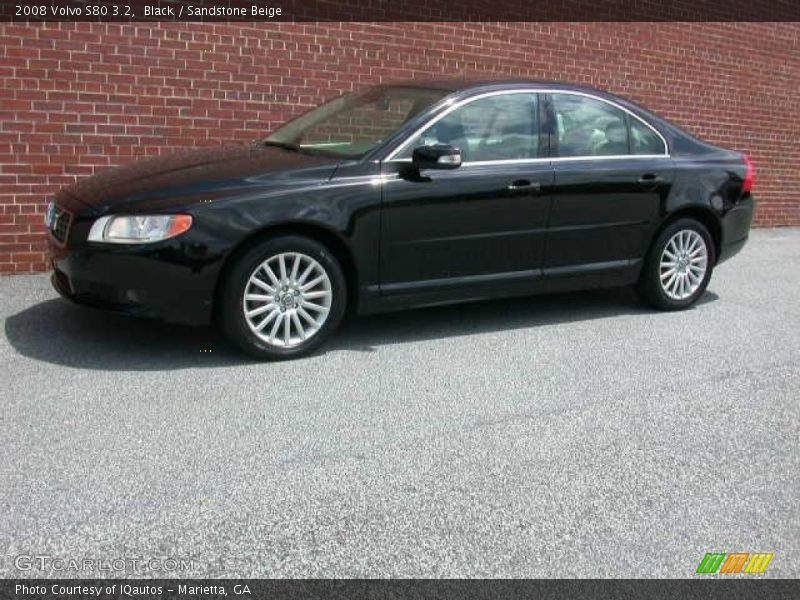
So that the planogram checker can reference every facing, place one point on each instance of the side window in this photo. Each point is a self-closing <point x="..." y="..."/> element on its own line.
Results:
<point x="588" y="127"/>
<point x="502" y="127"/>
<point x="644" y="140"/>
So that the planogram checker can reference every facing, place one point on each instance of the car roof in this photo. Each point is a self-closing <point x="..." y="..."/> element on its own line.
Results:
<point x="464" y="88"/>
<point x="469" y="84"/>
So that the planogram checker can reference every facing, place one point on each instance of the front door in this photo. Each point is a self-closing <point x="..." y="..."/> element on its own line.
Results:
<point x="481" y="223"/>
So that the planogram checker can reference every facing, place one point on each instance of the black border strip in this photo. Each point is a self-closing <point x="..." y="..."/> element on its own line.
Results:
<point x="706" y="588"/>
<point x="402" y="10"/>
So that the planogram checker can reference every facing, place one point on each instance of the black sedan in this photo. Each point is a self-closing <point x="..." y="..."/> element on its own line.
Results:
<point x="403" y="196"/>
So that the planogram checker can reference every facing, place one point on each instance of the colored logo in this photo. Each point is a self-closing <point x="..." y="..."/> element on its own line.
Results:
<point x="734" y="562"/>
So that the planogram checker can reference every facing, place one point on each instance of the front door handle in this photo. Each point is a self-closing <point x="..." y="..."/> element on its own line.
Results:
<point x="524" y="184"/>
<point x="649" y="180"/>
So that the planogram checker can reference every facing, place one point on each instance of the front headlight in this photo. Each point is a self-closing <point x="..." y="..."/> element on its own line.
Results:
<point x="138" y="229"/>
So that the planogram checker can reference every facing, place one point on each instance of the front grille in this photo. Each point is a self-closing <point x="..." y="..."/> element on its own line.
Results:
<point x="59" y="225"/>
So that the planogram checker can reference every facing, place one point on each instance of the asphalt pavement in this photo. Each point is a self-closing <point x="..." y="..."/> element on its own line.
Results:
<point x="578" y="435"/>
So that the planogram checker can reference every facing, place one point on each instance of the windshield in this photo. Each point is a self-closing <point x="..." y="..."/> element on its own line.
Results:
<point x="352" y="125"/>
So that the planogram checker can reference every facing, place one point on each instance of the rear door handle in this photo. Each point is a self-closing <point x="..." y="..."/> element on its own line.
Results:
<point x="524" y="184"/>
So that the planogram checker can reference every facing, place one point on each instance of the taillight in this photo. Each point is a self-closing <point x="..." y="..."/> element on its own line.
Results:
<point x="747" y="184"/>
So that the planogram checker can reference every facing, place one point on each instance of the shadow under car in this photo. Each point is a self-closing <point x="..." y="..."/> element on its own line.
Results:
<point x="62" y="333"/>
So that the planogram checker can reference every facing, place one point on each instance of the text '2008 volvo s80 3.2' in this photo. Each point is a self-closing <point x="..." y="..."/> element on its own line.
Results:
<point x="403" y="196"/>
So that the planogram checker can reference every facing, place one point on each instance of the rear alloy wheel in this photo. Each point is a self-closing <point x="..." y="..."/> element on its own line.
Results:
<point x="683" y="265"/>
<point x="678" y="266"/>
<point x="283" y="298"/>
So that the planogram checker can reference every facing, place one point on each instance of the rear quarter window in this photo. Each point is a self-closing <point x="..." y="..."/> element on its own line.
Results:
<point x="644" y="140"/>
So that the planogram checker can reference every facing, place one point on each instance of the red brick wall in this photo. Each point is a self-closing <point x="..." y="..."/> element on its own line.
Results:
<point x="77" y="97"/>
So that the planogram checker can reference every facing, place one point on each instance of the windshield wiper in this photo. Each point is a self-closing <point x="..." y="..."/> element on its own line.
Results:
<point x="283" y="145"/>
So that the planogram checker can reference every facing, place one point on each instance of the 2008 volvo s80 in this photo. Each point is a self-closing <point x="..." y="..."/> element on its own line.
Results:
<point x="402" y="196"/>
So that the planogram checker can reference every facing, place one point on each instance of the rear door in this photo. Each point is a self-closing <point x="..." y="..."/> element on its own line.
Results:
<point x="612" y="175"/>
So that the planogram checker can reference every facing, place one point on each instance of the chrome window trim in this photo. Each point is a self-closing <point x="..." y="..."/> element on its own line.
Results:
<point x="516" y="161"/>
<point x="455" y="105"/>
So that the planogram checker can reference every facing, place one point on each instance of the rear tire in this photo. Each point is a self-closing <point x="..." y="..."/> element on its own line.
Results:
<point x="282" y="298"/>
<point x="678" y="266"/>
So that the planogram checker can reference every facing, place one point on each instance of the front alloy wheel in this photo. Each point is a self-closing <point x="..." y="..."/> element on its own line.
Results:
<point x="282" y="297"/>
<point x="287" y="299"/>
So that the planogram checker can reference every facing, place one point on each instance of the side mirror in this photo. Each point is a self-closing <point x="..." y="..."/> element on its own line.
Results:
<point x="438" y="156"/>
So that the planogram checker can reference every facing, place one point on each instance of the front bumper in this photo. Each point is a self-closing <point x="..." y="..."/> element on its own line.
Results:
<point x="736" y="228"/>
<point x="172" y="280"/>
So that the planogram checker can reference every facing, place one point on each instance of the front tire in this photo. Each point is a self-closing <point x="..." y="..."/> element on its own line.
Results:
<point x="283" y="298"/>
<point x="678" y="266"/>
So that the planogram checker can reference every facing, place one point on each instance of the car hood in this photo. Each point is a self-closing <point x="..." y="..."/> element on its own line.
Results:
<point x="192" y="176"/>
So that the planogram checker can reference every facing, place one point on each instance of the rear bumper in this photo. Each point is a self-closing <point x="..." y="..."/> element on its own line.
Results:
<point x="152" y="282"/>
<point x="736" y="228"/>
